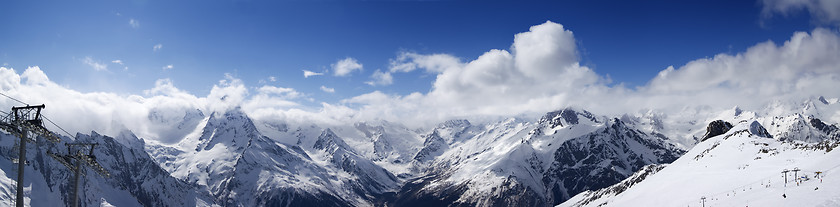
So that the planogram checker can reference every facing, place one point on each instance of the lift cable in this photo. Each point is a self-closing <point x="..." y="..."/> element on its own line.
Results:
<point x="7" y="96"/>
<point x="43" y="116"/>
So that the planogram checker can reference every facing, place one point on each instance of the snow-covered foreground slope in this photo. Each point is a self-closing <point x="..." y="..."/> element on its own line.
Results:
<point x="742" y="167"/>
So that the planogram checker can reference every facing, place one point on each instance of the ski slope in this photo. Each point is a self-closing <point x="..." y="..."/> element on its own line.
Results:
<point x="738" y="168"/>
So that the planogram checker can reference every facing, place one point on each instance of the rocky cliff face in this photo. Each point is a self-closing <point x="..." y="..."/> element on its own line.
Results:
<point x="715" y="128"/>
<point x="602" y="158"/>
<point x="135" y="178"/>
<point x="535" y="164"/>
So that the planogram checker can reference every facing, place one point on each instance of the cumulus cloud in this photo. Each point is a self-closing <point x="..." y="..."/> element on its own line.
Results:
<point x="157" y="47"/>
<point x="345" y="66"/>
<point x="822" y="11"/>
<point x="307" y="73"/>
<point x="434" y="63"/>
<point x="805" y="65"/>
<point x="288" y="93"/>
<point x="272" y="78"/>
<point x="134" y="23"/>
<point x="168" y="67"/>
<point x="328" y="90"/>
<point x="153" y="115"/>
<point x="540" y="72"/>
<point x="96" y="65"/>
<point x="381" y="78"/>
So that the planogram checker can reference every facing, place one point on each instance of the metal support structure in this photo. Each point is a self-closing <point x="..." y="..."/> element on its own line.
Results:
<point x="818" y="175"/>
<point x="74" y="159"/>
<point x="76" y="183"/>
<point x="785" y="171"/>
<point x="21" y="164"/>
<point x="25" y="123"/>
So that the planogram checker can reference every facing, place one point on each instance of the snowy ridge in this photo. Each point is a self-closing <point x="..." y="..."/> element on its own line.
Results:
<point x="740" y="167"/>
<point x="228" y="157"/>
<point x="588" y="197"/>
<point x="373" y="178"/>
<point x="513" y="162"/>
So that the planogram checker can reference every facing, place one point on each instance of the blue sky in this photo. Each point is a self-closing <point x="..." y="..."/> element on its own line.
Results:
<point x="117" y="62"/>
<point x="202" y="40"/>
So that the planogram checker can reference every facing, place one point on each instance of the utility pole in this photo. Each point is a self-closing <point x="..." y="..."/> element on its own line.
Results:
<point x="22" y="122"/>
<point x="74" y="159"/>
<point x="785" y="171"/>
<point x="796" y="175"/>
<point x="818" y="175"/>
<point x="703" y="201"/>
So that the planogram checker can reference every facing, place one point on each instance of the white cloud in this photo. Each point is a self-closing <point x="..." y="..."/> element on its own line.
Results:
<point x="822" y="11"/>
<point x="805" y="65"/>
<point x="435" y="63"/>
<point x="120" y="62"/>
<point x="287" y="93"/>
<point x="541" y="73"/>
<point x="134" y="23"/>
<point x="110" y="113"/>
<point x="272" y="78"/>
<point x="157" y="47"/>
<point x="307" y="73"/>
<point x="96" y="65"/>
<point x="345" y="66"/>
<point x="381" y="78"/>
<point x="168" y="67"/>
<point x="328" y="90"/>
<point x="528" y="78"/>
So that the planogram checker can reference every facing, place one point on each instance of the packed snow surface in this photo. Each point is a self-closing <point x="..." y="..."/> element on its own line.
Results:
<point x="738" y="168"/>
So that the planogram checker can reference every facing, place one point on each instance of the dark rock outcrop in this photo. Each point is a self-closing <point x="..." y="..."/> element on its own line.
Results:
<point x="715" y="128"/>
<point x="603" y="158"/>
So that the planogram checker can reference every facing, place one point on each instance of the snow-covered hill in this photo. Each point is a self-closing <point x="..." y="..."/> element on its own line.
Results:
<point x="742" y="167"/>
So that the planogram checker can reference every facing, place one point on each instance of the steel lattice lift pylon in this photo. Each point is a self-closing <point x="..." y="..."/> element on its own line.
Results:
<point x="20" y="122"/>
<point x="74" y="159"/>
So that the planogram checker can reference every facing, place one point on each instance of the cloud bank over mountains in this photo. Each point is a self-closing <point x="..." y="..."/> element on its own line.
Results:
<point x="541" y="71"/>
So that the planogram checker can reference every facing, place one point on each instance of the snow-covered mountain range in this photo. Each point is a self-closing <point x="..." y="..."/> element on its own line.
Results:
<point x="570" y="157"/>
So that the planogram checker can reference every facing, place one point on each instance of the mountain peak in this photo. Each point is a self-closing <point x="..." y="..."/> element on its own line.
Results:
<point x="822" y="99"/>
<point x="566" y="117"/>
<point x="233" y="128"/>
<point x="758" y="130"/>
<point x="455" y="123"/>
<point x="329" y="141"/>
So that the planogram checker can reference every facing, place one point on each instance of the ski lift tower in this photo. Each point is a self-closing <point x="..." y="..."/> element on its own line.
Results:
<point x="74" y="159"/>
<point x="25" y="123"/>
